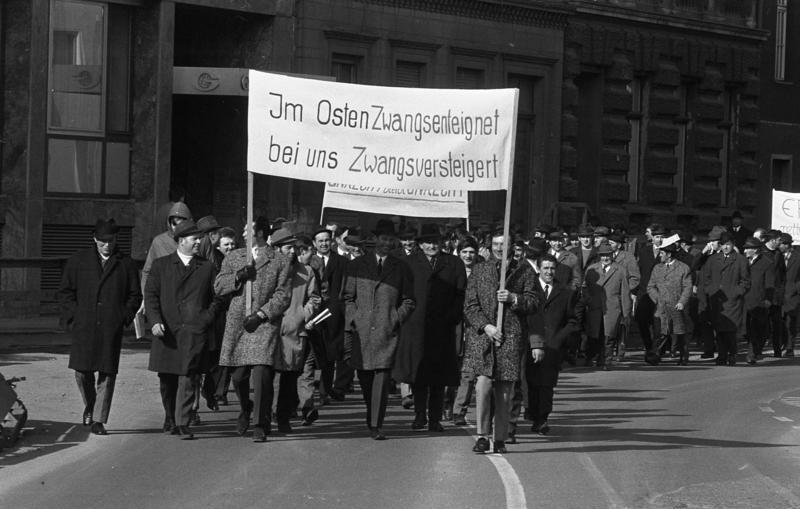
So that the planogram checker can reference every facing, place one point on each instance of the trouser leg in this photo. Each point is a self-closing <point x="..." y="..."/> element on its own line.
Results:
<point x="435" y="402"/>
<point x="185" y="398"/>
<point x="515" y="405"/>
<point x="645" y="308"/>
<point x="344" y="377"/>
<point x="240" y="376"/>
<point x="85" y="381"/>
<point x="168" y="384"/>
<point x="777" y="329"/>
<point x="375" y="387"/>
<point x="264" y="392"/>
<point x="541" y="403"/>
<point x="483" y="403"/>
<point x="503" y="392"/>
<point x="610" y="346"/>
<point x="287" y="396"/>
<point x="305" y="383"/>
<point x="421" y="392"/>
<point x="105" y="393"/>
<point x="365" y="378"/>
<point x="464" y="393"/>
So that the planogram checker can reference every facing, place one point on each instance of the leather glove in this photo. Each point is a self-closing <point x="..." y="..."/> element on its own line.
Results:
<point x="252" y="322"/>
<point x="248" y="272"/>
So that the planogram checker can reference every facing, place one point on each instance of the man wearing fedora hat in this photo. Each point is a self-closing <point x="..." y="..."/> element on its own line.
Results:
<point x="379" y="299"/>
<point x="99" y="295"/>
<point x="791" y="293"/>
<point x="427" y="352"/>
<point x="608" y="304"/>
<point x="670" y="287"/>
<point x="722" y="284"/>
<point x="210" y="228"/>
<point x="181" y="305"/>
<point x="771" y="240"/>
<point x="587" y="251"/>
<point x="566" y="258"/>
<point x="759" y="297"/>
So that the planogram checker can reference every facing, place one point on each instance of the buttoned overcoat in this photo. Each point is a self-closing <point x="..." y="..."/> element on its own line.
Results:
<point x="669" y="285"/>
<point x="723" y="283"/>
<point x="271" y="294"/>
<point x="607" y="297"/>
<point x="791" y="294"/>
<point x="427" y="352"/>
<point x="290" y="355"/>
<point x="96" y="304"/>
<point x="482" y="357"/>
<point x="377" y="302"/>
<point x="182" y="299"/>
<point x="762" y="283"/>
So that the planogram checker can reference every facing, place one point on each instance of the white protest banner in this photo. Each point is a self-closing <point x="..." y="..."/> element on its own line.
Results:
<point x="786" y="212"/>
<point x="396" y="201"/>
<point x="410" y="138"/>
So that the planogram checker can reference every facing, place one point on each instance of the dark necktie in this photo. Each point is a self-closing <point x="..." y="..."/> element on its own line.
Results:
<point x="433" y="263"/>
<point x="546" y="291"/>
<point x="380" y="266"/>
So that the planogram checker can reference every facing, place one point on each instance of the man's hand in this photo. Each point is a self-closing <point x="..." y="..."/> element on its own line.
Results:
<point x="248" y="272"/>
<point x="537" y="354"/>
<point x="506" y="296"/>
<point x="252" y="322"/>
<point x="493" y="333"/>
<point x="679" y="306"/>
<point x="158" y="330"/>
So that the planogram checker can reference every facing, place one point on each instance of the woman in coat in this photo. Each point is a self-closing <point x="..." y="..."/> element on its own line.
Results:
<point x="495" y="357"/>
<point x="99" y="295"/>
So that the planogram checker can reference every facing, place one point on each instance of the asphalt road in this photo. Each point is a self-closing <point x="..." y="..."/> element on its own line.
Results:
<point x="638" y="436"/>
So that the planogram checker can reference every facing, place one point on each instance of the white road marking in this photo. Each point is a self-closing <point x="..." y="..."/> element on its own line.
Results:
<point x="614" y="500"/>
<point x="515" y="493"/>
<point x="782" y="419"/>
<point x="64" y="435"/>
<point x="766" y="409"/>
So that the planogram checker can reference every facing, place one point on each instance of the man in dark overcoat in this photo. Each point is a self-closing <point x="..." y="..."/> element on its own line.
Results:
<point x="180" y="302"/>
<point x="791" y="292"/>
<point x="329" y="350"/>
<point x="426" y="354"/>
<point x="723" y="282"/>
<point x="252" y="339"/>
<point x="557" y="318"/>
<point x="644" y="308"/>
<point x="759" y="297"/>
<point x="379" y="298"/>
<point x="99" y="295"/>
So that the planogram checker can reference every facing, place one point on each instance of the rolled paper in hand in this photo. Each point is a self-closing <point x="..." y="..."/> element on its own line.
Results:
<point x="320" y="317"/>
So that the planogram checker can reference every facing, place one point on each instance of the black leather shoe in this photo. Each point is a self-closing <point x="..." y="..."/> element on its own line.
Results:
<point x="310" y="417"/>
<point x="337" y="395"/>
<point x="435" y="426"/>
<point x="460" y="419"/>
<point x="259" y="435"/>
<point x="184" y="432"/>
<point x="243" y="421"/>
<point x="169" y="425"/>
<point x="481" y="446"/>
<point x="194" y="418"/>
<point x="408" y="402"/>
<point x="500" y="447"/>
<point x="87" y="417"/>
<point x="544" y="428"/>
<point x="377" y="434"/>
<point x="419" y="423"/>
<point x="99" y="429"/>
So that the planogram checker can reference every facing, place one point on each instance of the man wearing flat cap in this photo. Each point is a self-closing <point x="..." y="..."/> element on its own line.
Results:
<point x="99" y="295"/>
<point x="759" y="297"/>
<point x="379" y="298"/>
<point x="670" y="287"/>
<point x="180" y="303"/>
<point x="723" y="282"/>
<point x="252" y="337"/>
<point x="426" y="354"/>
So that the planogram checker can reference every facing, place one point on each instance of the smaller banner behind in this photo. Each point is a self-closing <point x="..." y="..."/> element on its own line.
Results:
<point x="786" y="213"/>
<point x="396" y="200"/>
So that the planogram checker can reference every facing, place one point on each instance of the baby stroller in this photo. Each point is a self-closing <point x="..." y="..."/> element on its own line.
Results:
<point x="13" y="413"/>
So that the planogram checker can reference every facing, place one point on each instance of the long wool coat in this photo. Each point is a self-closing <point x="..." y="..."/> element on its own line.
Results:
<point x="182" y="299"/>
<point x="290" y="354"/>
<point x="427" y="350"/>
<point x="482" y="358"/>
<point x="669" y="285"/>
<point x="762" y="283"/>
<point x="791" y="295"/>
<point x="608" y="299"/>
<point x="331" y="277"/>
<point x="97" y="303"/>
<point x="376" y="305"/>
<point x="723" y="283"/>
<point x="271" y="294"/>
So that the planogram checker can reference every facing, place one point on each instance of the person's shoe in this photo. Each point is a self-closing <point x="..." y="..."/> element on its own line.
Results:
<point x="544" y="428"/>
<point x="719" y="361"/>
<point x="460" y="419"/>
<point x="194" y="418"/>
<point x="98" y="428"/>
<point x="87" y="417"/>
<point x="683" y="362"/>
<point x="500" y="447"/>
<point x="259" y="435"/>
<point x="337" y="395"/>
<point x="419" y="423"/>
<point x="732" y="361"/>
<point x="408" y="402"/>
<point x="211" y="403"/>
<point x="435" y="426"/>
<point x="751" y="360"/>
<point x="243" y="421"/>
<point x="310" y="417"/>
<point x="169" y="425"/>
<point x="184" y="432"/>
<point x="377" y="434"/>
<point x="606" y="367"/>
<point x="707" y="356"/>
<point x="284" y="426"/>
<point x="481" y="446"/>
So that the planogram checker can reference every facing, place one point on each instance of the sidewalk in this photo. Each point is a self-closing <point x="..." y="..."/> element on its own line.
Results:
<point x="31" y="333"/>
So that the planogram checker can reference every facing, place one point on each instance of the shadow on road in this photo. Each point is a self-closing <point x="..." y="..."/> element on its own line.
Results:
<point x="40" y="438"/>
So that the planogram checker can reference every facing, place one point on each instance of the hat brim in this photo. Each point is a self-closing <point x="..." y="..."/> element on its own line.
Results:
<point x="105" y="237"/>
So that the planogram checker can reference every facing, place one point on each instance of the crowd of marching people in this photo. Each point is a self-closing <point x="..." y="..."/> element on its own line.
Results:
<point x="438" y="313"/>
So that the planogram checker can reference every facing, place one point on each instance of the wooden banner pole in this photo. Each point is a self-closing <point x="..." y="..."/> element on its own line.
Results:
<point x="507" y="215"/>
<point x="248" y="286"/>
